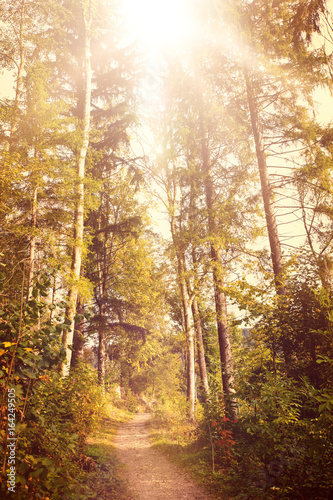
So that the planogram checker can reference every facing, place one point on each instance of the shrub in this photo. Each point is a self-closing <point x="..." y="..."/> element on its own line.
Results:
<point x="53" y="415"/>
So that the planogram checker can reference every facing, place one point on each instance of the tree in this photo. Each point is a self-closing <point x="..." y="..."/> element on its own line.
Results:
<point x="32" y="131"/>
<point x="116" y="222"/>
<point x="269" y="94"/>
<point x="86" y="19"/>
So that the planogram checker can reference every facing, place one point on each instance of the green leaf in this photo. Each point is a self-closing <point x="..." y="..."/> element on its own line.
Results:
<point x="47" y="461"/>
<point x="20" y="479"/>
<point x="37" y="472"/>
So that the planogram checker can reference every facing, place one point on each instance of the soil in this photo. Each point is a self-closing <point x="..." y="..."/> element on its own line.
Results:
<point x="148" y="473"/>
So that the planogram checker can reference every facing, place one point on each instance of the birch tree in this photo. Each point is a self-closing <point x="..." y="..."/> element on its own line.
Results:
<point x="86" y="17"/>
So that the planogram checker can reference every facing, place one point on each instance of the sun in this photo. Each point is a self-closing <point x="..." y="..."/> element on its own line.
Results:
<point x="158" y="24"/>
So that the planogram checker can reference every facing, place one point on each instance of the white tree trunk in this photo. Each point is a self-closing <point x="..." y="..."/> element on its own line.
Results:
<point x="67" y="337"/>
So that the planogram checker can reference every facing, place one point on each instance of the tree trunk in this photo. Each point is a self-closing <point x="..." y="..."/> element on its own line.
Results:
<point x="102" y="284"/>
<point x="101" y="353"/>
<point x="274" y="240"/>
<point x="189" y="332"/>
<point x="220" y="299"/>
<point x="32" y="244"/>
<point x="67" y="337"/>
<point x="194" y="305"/>
<point x="200" y="348"/>
<point x="325" y="266"/>
<point x="19" y="79"/>
<point x="78" y="338"/>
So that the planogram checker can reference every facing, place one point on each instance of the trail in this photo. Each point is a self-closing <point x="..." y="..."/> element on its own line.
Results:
<point x="148" y="472"/>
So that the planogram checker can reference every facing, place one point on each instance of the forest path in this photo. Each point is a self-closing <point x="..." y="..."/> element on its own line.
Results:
<point x="149" y="474"/>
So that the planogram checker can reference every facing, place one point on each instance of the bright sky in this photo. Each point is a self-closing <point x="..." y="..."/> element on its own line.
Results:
<point x="158" y="24"/>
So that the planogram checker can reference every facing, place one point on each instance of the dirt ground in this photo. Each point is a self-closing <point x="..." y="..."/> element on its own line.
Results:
<point x="147" y="471"/>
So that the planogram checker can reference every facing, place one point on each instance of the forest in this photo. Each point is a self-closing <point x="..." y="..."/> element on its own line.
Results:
<point x="166" y="237"/>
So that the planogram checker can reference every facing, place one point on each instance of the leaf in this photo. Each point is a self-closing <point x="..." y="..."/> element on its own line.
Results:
<point x="37" y="472"/>
<point x="20" y="479"/>
<point x="47" y="461"/>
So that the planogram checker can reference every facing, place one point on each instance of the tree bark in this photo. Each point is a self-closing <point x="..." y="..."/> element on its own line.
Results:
<point x="78" y="338"/>
<point x="19" y="78"/>
<point x="101" y="352"/>
<point x="220" y="298"/>
<point x="267" y="195"/>
<point x="274" y="240"/>
<point x="32" y="244"/>
<point x="67" y="337"/>
<point x="189" y="332"/>
<point x="194" y="305"/>
<point x="200" y="348"/>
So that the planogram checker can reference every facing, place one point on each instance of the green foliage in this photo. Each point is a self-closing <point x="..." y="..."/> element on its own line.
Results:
<point x="168" y="399"/>
<point x="53" y="416"/>
<point x="29" y="335"/>
<point x="215" y="430"/>
<point x="60" y="415"/>
<point x="281" y="434"/>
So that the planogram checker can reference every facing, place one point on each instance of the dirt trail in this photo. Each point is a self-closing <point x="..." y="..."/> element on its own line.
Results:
<point x="149" y="474"/>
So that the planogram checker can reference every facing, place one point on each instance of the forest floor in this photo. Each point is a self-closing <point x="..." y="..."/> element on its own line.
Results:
<point x="149" y="475"/>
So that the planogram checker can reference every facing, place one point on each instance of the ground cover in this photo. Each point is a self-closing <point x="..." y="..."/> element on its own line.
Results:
<point x="100" y="477"/>
<point x="182" y="448"/>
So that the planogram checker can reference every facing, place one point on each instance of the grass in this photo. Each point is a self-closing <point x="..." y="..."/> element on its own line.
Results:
<point x="184" y="450"/>
<point x="101" y="480"/>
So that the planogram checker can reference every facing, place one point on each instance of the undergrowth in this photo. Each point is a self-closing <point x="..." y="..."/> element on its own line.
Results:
<point x="99" y="477"/>
<point x="279" y="448"/>
<point x="179" y="442"/>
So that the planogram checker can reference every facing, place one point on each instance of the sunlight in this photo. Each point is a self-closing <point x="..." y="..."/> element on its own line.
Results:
<point x="158" y="24"/>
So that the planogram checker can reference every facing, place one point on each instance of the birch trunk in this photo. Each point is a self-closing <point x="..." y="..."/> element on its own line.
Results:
<point x="194" y="306"/>
<point x="32" y="244"/>
<point x="67" y="337"/>
<point x="78" y="338"/>
<point x="19" y="78"/>
<point x="101" y="354"/>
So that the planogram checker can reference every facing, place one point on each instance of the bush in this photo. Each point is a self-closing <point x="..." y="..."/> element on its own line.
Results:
<point x="61" y="413"/>
<point x="48" y="417"/>
<point x="284" y="442"/>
